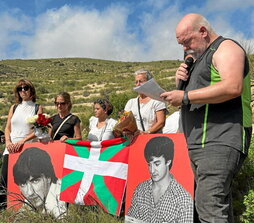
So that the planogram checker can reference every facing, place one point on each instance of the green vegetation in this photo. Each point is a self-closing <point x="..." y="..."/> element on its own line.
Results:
<point x="76" y="214"/>
<point x="87" y="80"/>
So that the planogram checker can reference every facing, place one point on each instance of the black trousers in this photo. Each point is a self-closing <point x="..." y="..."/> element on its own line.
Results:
<point x="3" y="182"/>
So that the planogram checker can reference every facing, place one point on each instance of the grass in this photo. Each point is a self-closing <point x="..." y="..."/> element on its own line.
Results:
<point x="76" y="214"/>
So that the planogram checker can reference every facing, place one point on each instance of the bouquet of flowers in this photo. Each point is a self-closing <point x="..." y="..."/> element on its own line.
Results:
<point x="126" y="123"/>
<point x="40" y="125"/>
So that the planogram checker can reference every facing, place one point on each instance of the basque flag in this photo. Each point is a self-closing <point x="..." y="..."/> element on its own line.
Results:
<point x="95" y="173"/>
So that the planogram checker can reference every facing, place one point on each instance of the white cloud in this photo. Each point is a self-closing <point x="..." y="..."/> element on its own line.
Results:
<point x="75" y="32"/>
<point x="79" y="32"/>
<point x="226" y="5"/>
<point x="160" y="34"/>
<point x="11" y="25"/>
<point x="70" y="32"/>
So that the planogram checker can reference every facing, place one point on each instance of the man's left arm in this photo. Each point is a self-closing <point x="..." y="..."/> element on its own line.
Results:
<point x="229" y="61"/>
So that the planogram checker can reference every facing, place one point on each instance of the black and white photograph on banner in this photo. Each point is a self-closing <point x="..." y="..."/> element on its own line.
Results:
<point x="159" y="197"/>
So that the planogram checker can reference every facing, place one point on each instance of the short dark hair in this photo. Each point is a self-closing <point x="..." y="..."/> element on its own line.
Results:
<point x="105" y="104"/>
<point x="33" y="162"/>
<point x="159" y="146"/>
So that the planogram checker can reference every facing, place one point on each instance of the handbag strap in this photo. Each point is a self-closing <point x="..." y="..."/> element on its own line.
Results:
<point x="103" y="130"/>
<point x="60" y="126"/>
<point x="141" y="120"/>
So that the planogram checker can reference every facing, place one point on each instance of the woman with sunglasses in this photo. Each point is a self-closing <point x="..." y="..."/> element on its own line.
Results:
<point x="64" y="124"/>
<point x="100" y="125"/>
<point x="17" y="130"/>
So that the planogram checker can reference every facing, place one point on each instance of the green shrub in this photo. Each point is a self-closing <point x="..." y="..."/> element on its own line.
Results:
<point x="242" y="186"/>
<point x="248" y="215"/>
<point x="119" y="101"/>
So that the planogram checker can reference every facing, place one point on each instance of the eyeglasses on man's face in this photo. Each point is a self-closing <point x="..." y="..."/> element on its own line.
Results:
<point x="25" y="88"/>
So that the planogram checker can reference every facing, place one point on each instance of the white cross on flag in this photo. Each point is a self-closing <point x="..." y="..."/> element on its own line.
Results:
<point x="95" y="173"/>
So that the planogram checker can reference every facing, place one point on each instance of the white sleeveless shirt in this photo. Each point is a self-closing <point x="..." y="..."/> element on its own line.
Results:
<point x="19" y="126"/>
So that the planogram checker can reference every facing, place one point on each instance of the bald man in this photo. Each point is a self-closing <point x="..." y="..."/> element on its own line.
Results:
<point x="215" y="113"/>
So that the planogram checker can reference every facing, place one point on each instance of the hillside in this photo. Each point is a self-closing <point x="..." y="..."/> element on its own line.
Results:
<point x="85" y="79"/>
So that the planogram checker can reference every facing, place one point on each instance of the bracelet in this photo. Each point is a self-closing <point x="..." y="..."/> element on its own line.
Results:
<point x="186" y="99"/>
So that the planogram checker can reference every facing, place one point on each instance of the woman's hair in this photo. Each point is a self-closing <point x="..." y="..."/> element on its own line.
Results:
<point x="145" y="72"/>
<point x="105" y="104"/>
<point x="67" y="98"/>
<point x="28" y="83"/>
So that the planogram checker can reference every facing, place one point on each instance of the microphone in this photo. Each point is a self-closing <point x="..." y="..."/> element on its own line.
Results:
<point x="189" y="62"/>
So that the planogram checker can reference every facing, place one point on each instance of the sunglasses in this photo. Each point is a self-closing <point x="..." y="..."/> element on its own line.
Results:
<point x="25" y="88"/>
<point x="60" y="103"/>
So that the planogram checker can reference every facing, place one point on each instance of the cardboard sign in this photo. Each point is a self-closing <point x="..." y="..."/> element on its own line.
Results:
<point x="138" y="172"/>
<point x="34" y="177"/>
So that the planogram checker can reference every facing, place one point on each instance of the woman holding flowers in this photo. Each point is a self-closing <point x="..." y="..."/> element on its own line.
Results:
<point x="64" y="124"/>
<point x="18" y="131"/>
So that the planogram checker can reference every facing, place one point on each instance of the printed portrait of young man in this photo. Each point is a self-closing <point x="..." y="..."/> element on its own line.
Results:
<point x="160" y="198"/>
<point x="34" y="174"/>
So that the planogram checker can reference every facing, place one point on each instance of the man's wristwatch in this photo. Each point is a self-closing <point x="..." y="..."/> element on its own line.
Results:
<point x="186" y="99"/>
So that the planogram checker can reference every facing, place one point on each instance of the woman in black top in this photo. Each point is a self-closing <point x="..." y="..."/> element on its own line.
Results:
<point x="64" y="124"/>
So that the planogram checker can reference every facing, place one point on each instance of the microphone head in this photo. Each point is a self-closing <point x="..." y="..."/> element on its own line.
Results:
<point x="189" y="61"/>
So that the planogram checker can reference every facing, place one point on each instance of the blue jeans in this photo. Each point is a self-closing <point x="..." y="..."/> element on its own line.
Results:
<point x="214" y="168"/>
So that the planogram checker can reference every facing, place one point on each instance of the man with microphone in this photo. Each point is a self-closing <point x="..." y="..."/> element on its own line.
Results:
<point x="215" y="113"/>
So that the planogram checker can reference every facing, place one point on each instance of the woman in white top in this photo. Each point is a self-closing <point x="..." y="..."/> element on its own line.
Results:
<point x="17" y="130"/>
<point x="150" y="114"/>
<point x="172" y="123"/>
<point x="100" y="125"/>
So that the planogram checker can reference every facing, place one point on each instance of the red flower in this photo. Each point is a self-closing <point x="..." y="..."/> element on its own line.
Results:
<point x="42" y="120"/>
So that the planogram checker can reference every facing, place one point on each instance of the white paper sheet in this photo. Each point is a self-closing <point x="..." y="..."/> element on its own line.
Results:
<point x="151" y="89"/>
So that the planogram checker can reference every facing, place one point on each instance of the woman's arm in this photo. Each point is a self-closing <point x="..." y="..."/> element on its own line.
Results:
<point x="50" y="130"/>
<point x="7" y="131"/>
<point x="77" y="133"/>
<point x="40" y="110"/>
<point x="159" y="124"/>
<point x="21" y="142"/>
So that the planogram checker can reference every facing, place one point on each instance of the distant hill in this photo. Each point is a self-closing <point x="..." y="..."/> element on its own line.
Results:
<point x="85" y="79"/>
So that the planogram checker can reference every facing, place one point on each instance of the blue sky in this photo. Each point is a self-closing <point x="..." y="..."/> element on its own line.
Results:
<point x="123" y="30"/>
